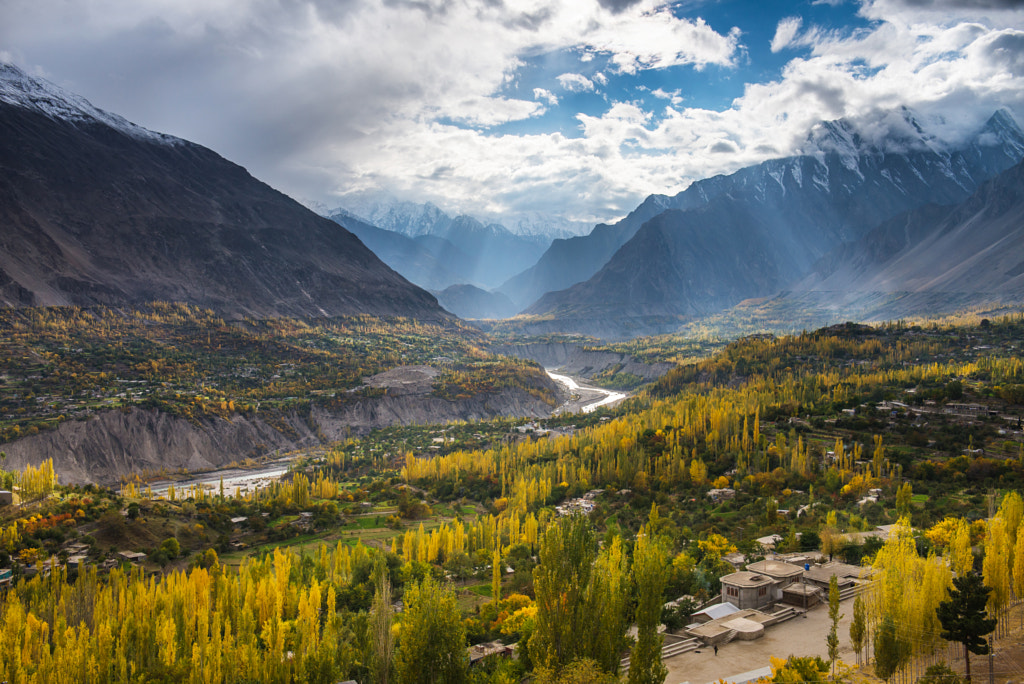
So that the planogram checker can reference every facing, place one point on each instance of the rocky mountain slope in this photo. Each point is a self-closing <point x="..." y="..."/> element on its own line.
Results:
<point x="116" y="444"/>
<point x="764" y="227"/>
<point x="96" y="210"/>
<point x="932" y="259"/>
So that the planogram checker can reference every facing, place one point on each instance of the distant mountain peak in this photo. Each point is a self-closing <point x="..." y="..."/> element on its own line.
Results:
<point x="21" y="90"/>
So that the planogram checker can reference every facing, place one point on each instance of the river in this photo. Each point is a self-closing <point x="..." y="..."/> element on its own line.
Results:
<point x="589" y="398"/>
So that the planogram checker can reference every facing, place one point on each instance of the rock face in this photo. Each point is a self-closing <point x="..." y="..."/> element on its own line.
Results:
<point x="96" y="210"/>
<point x="762" y="228"/>
<point x="114" y="444"/>
<point x="931" y="259"/>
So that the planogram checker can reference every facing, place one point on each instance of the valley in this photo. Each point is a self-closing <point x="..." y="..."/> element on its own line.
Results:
<point x="243" y="441"/>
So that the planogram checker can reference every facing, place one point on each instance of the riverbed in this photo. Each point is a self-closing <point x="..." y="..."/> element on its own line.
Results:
<point x="586" y="399"/>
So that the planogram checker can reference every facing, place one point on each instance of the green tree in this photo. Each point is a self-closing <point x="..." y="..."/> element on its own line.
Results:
<point x="581" y="598"/>
<point x="904" y="497"/>
<point x="858" y="627"/>
<point x="496" y="576"/>
<point x="963" y="617"/>
<point x="432" y="646"/>
<point x="650" y="573"/>
<point x="834" y="617"/>
<point x="381" y="617"/>
<point x="888" y="650"/>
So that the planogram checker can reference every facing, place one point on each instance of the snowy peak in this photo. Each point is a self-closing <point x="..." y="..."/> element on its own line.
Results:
<point x="1002" y="130"/>
<point x="21" y="90"/>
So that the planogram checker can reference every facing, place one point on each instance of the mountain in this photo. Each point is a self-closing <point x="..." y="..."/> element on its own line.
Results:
<point x="96" y="210"/>
<point x="467" y="301"/>
<point x="762" y="228"/>
<point x="932" y="259"/>
<point x="573" y="260"/>
<point x="484" y="255"/>
<point x="415" y="261"/>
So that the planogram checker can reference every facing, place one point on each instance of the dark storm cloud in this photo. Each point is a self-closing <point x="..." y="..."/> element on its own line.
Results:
<point x="723" y="147"/>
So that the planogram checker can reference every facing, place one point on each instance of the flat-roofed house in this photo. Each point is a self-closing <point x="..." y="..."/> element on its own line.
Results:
<point x="745" y="589"/>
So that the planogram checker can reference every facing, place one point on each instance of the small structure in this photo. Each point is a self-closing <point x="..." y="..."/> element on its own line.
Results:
<point x="6" y="577"/>
<point x="715" y="612"/>
<point x="240" y="520"/>
<point x="747" y="590"/>
<point x="76" y="562"/>
<point x="722" y="494"/>
<point x="481" y="651"/>
<point x="768" y="543"/>
<point x="132" y="556"/>
<point x="9" y="498"/>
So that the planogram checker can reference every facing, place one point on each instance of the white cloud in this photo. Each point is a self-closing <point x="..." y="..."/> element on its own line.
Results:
<point x="545" y="95"/>
<point x="600" y="79"/>
<point x="575" y="83"/>
<point x="673" y="96"/>
<point x="785" y="32"/>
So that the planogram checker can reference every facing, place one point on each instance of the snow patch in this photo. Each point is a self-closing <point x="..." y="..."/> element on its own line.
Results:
<point x="21" y="90"/>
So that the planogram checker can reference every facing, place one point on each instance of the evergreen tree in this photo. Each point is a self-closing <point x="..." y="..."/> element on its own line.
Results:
<point x="888" y="651"/>
<point x="963" y="617"/>
<point x="432" y="647"/>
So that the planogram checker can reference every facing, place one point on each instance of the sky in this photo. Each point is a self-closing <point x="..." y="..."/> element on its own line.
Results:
<point x="560" y="110"/>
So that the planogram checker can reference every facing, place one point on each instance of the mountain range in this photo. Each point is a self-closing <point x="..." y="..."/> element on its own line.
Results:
<point x="96" y="210"/>
<point x="761" y="229"/>
<point x="470" y="251"/>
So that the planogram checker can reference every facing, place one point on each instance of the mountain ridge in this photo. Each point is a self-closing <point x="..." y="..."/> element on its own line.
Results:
<point x="100" y="211"/>
<point x="795" y="209"/>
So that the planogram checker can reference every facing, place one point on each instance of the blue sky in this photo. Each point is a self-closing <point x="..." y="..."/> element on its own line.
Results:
<point x="518" y="110"/>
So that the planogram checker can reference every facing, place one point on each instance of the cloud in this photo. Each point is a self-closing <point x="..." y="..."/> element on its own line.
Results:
<point x="600" y="79"/>
<point x="575" y="83"/>
<point x="617" y="6"/>
<point x="545" y="95"/>
<point x="785" y="32"/>
<point x="673" y="96"/>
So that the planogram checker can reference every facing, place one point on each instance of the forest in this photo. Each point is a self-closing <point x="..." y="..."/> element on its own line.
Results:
<point x="385" y="558"/>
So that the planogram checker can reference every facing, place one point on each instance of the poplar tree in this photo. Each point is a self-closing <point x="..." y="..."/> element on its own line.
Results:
<point x="858" y="627"/>
<point x="381" y="617"/>
<point x="650" y="573"/>
<point x="432" y="647"/>
<point x="833" y="615"/>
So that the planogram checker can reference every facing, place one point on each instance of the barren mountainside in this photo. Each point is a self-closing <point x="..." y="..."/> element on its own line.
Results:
<point x="97" y="211"/>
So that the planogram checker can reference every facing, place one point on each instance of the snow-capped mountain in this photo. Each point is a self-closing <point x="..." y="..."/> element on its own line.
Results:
<point x="754" y="232"/>
<point x="19" y="89"/>
<point x="479" y="254"/>
<point x="866" y="170"/>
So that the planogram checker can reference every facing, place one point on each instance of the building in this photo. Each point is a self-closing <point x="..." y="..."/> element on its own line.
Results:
<point x="747" y="590"/>
<point x="132" y="556"/>
<point x="8" y="498"/>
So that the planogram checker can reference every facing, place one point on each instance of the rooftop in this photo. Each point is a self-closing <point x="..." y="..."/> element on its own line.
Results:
<point x="776" y="569"/>
<point x="746" y="579"/>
